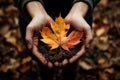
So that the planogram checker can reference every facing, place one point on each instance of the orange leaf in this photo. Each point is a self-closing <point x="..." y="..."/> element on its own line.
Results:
<point x="49" y="38"/>
<point x="72" y="39"/>
<point x="53" y="38"/>
<point x="56" y="36"/>
<point x="60" y="28"/>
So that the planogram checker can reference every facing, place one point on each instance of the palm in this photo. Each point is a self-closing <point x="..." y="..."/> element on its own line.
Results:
<point x="32" y="35"/>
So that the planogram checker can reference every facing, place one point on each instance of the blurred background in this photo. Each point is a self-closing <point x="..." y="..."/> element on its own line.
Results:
<point x="101" y="62"/>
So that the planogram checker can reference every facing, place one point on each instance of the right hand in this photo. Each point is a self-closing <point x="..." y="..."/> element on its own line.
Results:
<point x="39" y="19"/>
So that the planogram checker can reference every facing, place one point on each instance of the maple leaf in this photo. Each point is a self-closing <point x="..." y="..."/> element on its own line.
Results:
<point x="49" y="38"/>
<point x="56" y="36"/>
<point x="60" y="28"/>
<point x="72" y="39"/>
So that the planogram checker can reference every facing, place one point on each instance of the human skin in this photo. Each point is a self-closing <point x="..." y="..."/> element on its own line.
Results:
<point x="76" y="18"/>
<point x="40" y="18"/>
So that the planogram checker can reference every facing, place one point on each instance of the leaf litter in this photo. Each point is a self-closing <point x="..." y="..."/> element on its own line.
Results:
<point x="100" y="62"/>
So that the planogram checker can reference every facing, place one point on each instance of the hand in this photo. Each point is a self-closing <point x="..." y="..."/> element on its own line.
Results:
<point x="76" y="19"/>
<point x="39" y="19"/>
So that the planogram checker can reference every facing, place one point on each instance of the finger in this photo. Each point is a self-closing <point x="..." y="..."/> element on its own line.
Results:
<point x="77" y="56"/>
<point x="50" y="65"/>
<point x="39" y="55"/>
<point x="35" y="39"/>
<point x="68" y="19"/>
<point x="56" y="64"/>
<point x="50" y="19"/>
<point x="29" y="35"/>
<point x="88" y="37"/>
<point x="65" y="62"/>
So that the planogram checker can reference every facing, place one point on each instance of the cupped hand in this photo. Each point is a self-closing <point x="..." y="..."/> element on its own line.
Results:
<point x="40" y="18"/>
<point x="32" y="34"/>
<point x="76" y="18"/>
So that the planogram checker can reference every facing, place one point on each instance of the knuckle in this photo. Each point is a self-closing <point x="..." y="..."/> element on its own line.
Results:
<point x="68" y="19"/>
<point x="29" y="28"/>
<point x="88" y="27"/>
<point x="91" y="37"/>
<point x="27" y="39"/>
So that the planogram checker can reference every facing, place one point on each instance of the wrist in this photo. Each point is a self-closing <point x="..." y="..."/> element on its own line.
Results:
<point x="81" y="7"/>
<point x="35" y="8"/>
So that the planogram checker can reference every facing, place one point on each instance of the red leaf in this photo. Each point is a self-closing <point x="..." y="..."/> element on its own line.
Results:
<point x="72" y="39"/>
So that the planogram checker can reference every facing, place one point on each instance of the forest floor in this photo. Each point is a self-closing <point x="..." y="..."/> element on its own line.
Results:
<point x="100" y="62"/>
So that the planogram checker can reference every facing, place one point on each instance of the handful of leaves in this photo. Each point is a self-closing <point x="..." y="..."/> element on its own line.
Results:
<point x="57" y="38"/>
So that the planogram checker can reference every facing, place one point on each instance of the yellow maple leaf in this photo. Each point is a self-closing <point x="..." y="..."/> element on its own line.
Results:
<point x="49" y="38"/>
<point x="60" y="28"/>
<point x="56" y="36"/>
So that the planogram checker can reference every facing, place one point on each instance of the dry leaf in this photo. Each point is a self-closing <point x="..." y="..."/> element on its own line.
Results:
<point x="4" y="29"/>
<point x="56" y="36"/>
<point x="11" y="66"/>
<point x="72" y="39"/>
<point x="26" y="60"/>
<point x="24" y="68"/>
<point x="101" y="43"/>
<point x="85" y="65"/>
<point x="49" y="38"/>
<point x="100" y="32"/>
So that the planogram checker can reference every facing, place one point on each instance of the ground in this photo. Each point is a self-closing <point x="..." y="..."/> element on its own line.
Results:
<point x="100" y="62"/>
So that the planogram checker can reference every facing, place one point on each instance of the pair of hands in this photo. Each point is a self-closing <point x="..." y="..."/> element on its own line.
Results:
<point x="40" y="18"/>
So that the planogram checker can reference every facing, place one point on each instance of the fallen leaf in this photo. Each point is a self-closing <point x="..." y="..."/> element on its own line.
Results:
<point x="56" y="36"/>
<point x="104" y="2"/>
<point x="103" y="75"/>
<point x="49" y="38"/>
<point x="60" y="28"/>
<point x="99" y="32"/>
<point x="26" y="60"/>
<point x="11" y="66"/>
<point x="72" y="39"/>
<point x="101" y="43"/>
<point x="85" y="65"/>
<point x="109" y="70"/>
<point x="24" y="68"/>
<point x="104" y="63"/>
<point x="4" y="29"/>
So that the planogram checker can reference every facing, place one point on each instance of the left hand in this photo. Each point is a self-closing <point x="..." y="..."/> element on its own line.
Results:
<point x="76" y="19"/>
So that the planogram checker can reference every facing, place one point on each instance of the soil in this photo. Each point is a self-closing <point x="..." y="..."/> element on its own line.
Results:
<point x="58" y="54"/>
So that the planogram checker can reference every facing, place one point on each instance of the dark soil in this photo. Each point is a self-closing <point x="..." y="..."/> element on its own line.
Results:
<point x="58" y="54"/>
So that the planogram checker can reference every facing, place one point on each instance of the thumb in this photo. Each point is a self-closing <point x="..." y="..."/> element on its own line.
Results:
<point x="29" y="36"/>
<point x="67" y="19"/>
<point x="50" y="19"/>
